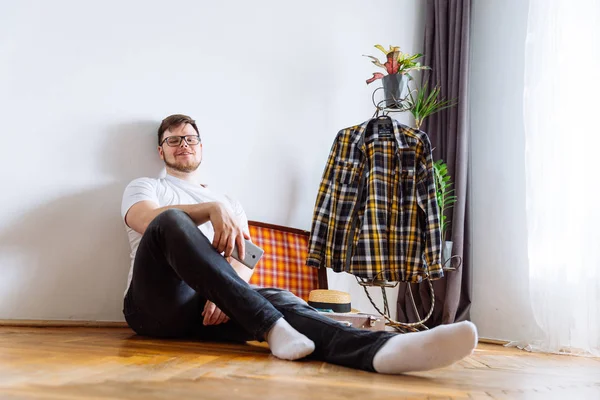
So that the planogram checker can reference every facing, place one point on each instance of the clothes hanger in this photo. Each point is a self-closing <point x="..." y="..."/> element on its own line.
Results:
<point x="382" y="111"/>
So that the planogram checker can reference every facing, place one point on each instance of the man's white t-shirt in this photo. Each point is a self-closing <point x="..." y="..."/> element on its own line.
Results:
<point x="171" y="191"/>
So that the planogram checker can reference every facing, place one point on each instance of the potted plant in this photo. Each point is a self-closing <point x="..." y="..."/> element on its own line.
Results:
<point x="397" y="65"/>
<point x="445" y="199"/>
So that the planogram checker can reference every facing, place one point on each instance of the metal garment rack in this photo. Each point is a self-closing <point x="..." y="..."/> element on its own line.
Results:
<point x="400" y="105"/>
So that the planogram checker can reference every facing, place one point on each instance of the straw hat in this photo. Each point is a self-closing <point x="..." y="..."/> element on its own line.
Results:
<point x="335" y="300"/>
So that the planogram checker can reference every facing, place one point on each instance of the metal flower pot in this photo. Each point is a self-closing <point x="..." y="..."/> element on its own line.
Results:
<point x="447" y="254"/>
<point x="395" y="89"/>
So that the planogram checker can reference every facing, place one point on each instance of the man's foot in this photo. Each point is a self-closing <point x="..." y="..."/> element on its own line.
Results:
<point x="422" y="351"/>
<point x="287" y="343"/>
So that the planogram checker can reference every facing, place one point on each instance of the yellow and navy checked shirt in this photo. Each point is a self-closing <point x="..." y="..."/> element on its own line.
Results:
<point x="376" y="214"/>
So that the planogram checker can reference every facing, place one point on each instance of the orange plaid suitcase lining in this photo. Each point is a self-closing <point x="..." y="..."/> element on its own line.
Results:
<point x="283" y="264"/>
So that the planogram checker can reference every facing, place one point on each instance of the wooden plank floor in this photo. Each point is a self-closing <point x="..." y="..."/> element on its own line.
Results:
<point x="113" y="363"/>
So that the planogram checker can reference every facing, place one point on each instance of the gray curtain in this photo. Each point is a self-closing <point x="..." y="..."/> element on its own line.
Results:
<point x="446" y="51"/>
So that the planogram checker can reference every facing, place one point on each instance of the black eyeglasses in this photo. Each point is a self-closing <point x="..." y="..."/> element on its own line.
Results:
<point x="174" y="141"/>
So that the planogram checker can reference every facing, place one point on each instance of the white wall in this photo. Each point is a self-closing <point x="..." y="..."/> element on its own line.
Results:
<point x="500" y="266"/>
<point x="83" y="86"/>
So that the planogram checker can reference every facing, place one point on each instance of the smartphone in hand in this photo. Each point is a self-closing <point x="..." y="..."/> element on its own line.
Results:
<point x="253" y="254"/>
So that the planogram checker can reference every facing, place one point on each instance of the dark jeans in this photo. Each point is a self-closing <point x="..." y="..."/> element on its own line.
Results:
<point x="177" y="269"/>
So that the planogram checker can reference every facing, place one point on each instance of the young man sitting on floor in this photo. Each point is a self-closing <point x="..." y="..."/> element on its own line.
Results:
<point x="183" y="282"/>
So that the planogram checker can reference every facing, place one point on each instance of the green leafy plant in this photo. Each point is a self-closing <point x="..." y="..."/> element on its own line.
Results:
<point x="444" y="193"/>
<point x="397" y="62"/>
<point x="424" y="104"/>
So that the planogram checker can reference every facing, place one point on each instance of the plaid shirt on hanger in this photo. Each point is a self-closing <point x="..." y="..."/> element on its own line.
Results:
<point x="376" y="214"/>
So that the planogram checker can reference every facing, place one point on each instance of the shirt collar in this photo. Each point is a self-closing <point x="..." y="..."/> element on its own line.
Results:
<point x="179" y="181"/>
<point x="398" y="134"/>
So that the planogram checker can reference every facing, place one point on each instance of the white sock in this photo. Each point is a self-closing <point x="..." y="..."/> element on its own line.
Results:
<point x="287" y="343"/>
<point x="422" y="351"/>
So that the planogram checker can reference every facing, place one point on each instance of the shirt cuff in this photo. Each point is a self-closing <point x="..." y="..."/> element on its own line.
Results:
<point x="435" y="271"/>
<point x="312" y="261"/>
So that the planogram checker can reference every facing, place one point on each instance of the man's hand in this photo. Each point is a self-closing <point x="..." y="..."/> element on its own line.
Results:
<point x="213" y="315"/>
<point x="228" y="232"/>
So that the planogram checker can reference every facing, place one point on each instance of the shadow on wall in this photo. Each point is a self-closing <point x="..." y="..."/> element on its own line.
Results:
<point x="73" y="258"/>
<point x="131" y="151"/>
<point x="70" y="257"/>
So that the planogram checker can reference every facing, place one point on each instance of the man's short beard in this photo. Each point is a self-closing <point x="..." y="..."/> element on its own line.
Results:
<point x="183" y="168"/>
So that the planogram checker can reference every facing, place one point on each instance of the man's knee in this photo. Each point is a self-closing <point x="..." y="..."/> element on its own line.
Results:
<point x="171" y="217"/>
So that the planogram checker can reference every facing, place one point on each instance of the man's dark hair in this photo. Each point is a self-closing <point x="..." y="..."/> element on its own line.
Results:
<point x="174" y="121"/>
